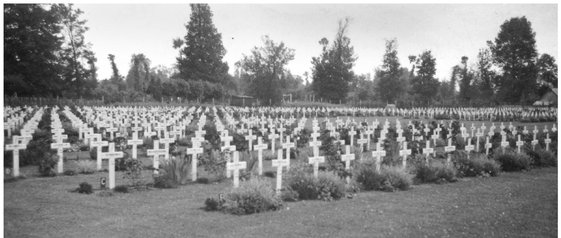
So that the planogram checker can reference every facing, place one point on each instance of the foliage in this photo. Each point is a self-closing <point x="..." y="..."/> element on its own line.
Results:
<point x="133" y="172"/>
<point x="512" y="161"/>
<point x="388" y="179"/>
<point x="514" y="50"/>
<point x="547" y="70"/>
<point x="121" y="189"/>
<point x="175" y="169"/>
<point x="332" y="70"/>
<point x="424" y="85"/>
<point x="253" y="196"/>
<point x="213" y="162"/>
<point x="435" y="172"/>
<point x="201" y="51"/>
<point x="544" y="158"/>
<point x="212" y="204"/>
<point x="47" y="164"/>
<point x="139" y="73"/>
<point x="69" y="173"/>
<point x="85" y="188"/>
<point x="326" y="187"/>
<point x="164" y="182"/>
<point x="390" y="86"/>
<point x="477" y="165"/>
<point x="264" y="69"/>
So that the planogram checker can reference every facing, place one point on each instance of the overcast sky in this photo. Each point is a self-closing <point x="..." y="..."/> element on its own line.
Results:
<point x="449" y="31"/>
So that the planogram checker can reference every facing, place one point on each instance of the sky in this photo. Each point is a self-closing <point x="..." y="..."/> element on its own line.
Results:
<point x="450" y="31"/>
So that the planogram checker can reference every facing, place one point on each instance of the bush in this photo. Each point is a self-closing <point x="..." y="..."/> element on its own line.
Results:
<point x="253" y="196"/>
<point x="330" y="186"/>
<point x="327" y="186"/>
<point x="388" y="179"/>
<point x="212" y="204"/>
<point x="512" y="161"/>
<point x="69" y="173"/>
<point x="121" y="189"/>
<point x="47" y="165"/>
<point x="175" y="169"/>
<point x="435" y="173"/>
<point x="85" y="188"/>
<point x="133" y="172"/>
<point x="543" y="158"/>
<point x="164" y="182"/>
<point x="86" y="166"/>
<point x="477" y="165"/>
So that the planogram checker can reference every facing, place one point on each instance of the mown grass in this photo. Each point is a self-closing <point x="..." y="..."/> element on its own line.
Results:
<point x="520" y="204"/>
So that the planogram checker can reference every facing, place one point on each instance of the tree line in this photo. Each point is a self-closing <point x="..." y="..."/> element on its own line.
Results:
<point x="46" y="54"/>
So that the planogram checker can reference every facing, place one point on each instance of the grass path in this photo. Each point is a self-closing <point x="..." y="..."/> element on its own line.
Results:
<point x="520" y="204"/>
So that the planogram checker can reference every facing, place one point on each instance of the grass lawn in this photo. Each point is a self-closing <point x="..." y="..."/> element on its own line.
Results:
<point x="522" y="204"/>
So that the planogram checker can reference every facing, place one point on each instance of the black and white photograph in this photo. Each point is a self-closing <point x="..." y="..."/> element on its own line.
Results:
<point x="313" y="119"/>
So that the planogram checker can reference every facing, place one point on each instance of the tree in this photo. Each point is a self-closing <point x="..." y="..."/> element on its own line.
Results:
<point x="76" y="52"/>
<point x="547" y="70"/>
<point x="202" y="52"/>
<point x="31" y="45"/>
<point x="332" y="70"/>
<point x="264" y="69"/>
<point x="514" y="50"/>
<point x="389" y="86"/>
<point x="484" y="76"/>
<point x="424" y="86"/>
<point x="138" y="77"/>
<point x="466" y="79"/>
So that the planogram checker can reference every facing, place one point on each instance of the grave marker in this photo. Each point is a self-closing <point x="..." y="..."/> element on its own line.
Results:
<point x="111" y="155"/>
<point x="236" y="165"/>
<point x="279" y="163"/>
<point x="347" y="157"/>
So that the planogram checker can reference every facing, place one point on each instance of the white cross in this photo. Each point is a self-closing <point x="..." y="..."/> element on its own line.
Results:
<point x="428" y="150"/>
<point x="250" y="139"/>
<point x="352" y="134"/>
<point x="519" y="143"/>
<point x="260" y="147"/>
<point x="315" y="160"/>
<point x="272" y="137"/>
<point x="449" y="148"/>
<point x="166" y="141"/>
<point x="287" y="145"/>
<point x="194" y="152"/>
<point x="378" y="153"/>
<point x="469" y="147"/>
<point x="504" y="143"/>
<point x="59" y="148"/>
<point x="15" y="148"/>
<point x="98" y="142"/>
<point x="134" y="142"/>
<point x="111" y="130"/>
<point x="547" y="142"/>
<point x="279" y="163"/>
<point x="525" y="131"/>
<point x="405" y="152"/>
<point x="487" y="145"/>
<point x="112" y="155"/>
<point x="347" y="157"/>
<point x="156" y="152"/>
<point x="226" y="139"/>
<point x="236" y="165"/>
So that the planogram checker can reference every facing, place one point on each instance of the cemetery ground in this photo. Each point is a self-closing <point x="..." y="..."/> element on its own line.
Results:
<point x="517" y="204"/>
<point x="513" y="204"/>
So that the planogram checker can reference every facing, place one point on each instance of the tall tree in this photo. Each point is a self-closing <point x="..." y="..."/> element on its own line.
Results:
<point x="138" y="76"/>
<point x="466" y="80"/>
<point x="265" y="68"/>
<point x="31" y="45"/>
<point x="389" y="86"/>
<point x="332" y="70"/>
<point x="76" y="52"/>
<point x="202" y="52"/>
<point x="514" y="50"/>
<point x="484" y="76"/>
<point x="424" y="86"/>
<point x="547" y="70"/>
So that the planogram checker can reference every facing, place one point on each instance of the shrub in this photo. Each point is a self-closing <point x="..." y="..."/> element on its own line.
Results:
<point x="435" y="173"/>
<point x="69" y="173"/>
<point x="253" y="196"/>
<point x="512" y="161"/>
<point x="477" y="165"/>
<point x="212" y="204"/>
<point x="133" y="172"/>
<point x="289" y="195"/>
<point x="121" y="189"/>
<point x="388" y="179"/>
<point x="175" y="169"/>
<point x="85" y="188"/>
<point x="93" y="154"/>
<point x="47" y="165"/>
<point x="330" y="186"/>
<point x="203" y="180"/>
<point x="542" y="157"/>
<point x="164" y="182"/>
<point x="86" y="166"/>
